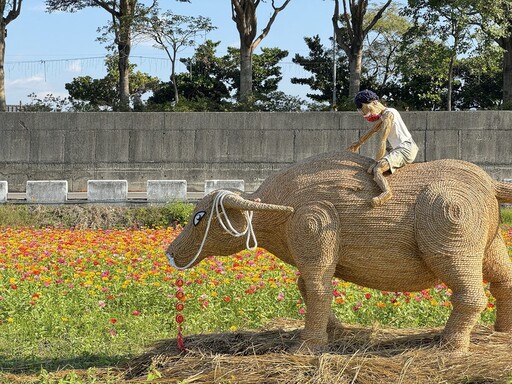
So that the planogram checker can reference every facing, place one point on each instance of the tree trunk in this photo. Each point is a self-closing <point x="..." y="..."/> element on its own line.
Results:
<point x="124" y="46"/>
<point x="173" y="73"/>
<point x="450" y="84"/>
<point x="355" y="65"/>
<point x="124" y="77"/>
<point x="507" y="72"/>
<point x="3" y="106"/>
<point x="245" y="72"/>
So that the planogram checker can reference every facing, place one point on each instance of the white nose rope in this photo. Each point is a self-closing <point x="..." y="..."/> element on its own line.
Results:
<point x="218" y="201"/>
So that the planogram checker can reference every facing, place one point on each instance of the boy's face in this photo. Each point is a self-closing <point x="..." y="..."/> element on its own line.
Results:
<point x="370" y="111"/>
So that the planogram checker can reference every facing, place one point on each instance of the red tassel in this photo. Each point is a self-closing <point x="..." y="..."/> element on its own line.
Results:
<point x="179" y="340"/>
<point x="180" y="295"/>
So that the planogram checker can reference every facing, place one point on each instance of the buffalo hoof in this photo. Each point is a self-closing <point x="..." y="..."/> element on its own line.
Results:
<point x="455" y="346"/>
<point x="309" y="345"/>
<point x="304" y="348"/>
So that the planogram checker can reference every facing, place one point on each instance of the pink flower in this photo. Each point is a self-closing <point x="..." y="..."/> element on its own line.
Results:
<point x="102" y="304"/>
<point x="302" y="311"/>
<point x="280" y="296"/>
<point x="135" y="313"/>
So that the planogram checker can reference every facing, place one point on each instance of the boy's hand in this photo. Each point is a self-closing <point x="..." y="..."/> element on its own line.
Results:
<point x="355" y="147"/>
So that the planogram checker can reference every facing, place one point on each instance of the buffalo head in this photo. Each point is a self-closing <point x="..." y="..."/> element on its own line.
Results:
<point x="221" y="225"/>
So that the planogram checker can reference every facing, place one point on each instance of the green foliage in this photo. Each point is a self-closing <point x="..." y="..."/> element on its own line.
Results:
<point x="103" y="94"/>
<point x="211" y="83"/>
<point x="49" y="103"/>
<point x="482" y="77"/>
<point x="319" y="63"/>
<point x="95" y="216"/>
<point x="506" y="216"/>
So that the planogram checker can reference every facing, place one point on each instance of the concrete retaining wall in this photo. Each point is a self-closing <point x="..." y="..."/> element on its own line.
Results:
<point x="195" y="147"/>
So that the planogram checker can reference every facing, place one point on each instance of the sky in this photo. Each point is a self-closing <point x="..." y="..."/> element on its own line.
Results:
<point x="44" y="51"/>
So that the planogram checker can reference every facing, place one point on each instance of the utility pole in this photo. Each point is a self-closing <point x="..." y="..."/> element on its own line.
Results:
<point x="334" y="101"/>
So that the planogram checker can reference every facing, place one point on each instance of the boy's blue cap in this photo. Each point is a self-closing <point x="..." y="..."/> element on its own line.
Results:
<point x="365" y="96"/>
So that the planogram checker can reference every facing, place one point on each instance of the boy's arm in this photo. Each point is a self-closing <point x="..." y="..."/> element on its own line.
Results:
<point x="354" y="147"/>
<point x="387" y="121"/>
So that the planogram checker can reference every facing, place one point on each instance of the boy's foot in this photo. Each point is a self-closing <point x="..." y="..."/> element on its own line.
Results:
<point x="381" y="199"/>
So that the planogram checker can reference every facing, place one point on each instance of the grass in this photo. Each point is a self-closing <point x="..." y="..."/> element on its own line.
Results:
<point x="78" y="300"/>
<point x="506" y="216"/>
<point x="94" y="216"/>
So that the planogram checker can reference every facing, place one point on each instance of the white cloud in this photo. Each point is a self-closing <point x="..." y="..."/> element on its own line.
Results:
<point x="25" y="82"/>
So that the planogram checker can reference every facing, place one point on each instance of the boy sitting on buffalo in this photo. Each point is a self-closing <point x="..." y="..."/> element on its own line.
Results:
<point x="393" y="131"/>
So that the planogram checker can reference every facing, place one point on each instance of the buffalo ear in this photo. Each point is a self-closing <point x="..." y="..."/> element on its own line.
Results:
<point x="238" y="202"/>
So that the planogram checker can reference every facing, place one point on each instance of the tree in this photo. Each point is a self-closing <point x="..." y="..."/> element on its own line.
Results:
<point x="383" y="46"/>
<point x="123" y="13"/>
<point x="212" y="82"/>
<point x="265" y="77"/>
<point x="13" y="9"/>
<point x="350" y="29"/>
<point x="172" y="33"/>
<point x="244" y="15"/>
<point x="496" y="22"/>
<point x="100" y="94"/>
<point x="319" y="63"/>
<point x="449" y="22"/>
<point x="205" y="87"/>
<point x="423" y="77"/>
<point x="482" y="79"/>
<point x="49" y="103"/>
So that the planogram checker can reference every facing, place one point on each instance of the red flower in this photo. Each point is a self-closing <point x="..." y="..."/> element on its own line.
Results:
<point x="113" y="320"/>
<point x="135" y="313"/>
<point x="227" y="299"/>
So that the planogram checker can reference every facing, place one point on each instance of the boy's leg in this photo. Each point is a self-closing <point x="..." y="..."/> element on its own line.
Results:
<point x="381" y="167"/>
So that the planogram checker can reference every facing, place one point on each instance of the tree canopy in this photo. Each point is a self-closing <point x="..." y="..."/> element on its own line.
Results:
<point x="427" y="55"/>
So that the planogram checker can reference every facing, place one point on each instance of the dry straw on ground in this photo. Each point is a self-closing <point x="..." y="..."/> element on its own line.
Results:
<point x="356" y="355"/>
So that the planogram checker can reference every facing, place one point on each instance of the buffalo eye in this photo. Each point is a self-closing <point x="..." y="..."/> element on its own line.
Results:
<point x="198" y="216"/>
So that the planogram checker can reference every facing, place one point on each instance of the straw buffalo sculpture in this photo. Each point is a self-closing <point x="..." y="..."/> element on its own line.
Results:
<point x="442" y="225"/>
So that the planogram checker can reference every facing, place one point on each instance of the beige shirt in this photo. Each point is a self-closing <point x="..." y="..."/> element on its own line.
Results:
<point x="398" y="133"/>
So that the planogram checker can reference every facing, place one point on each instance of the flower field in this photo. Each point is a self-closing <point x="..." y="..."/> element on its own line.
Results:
<point x="86" y="298"/>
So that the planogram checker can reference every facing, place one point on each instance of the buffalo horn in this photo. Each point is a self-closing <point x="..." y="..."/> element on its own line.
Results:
<point x="238" y="202"/>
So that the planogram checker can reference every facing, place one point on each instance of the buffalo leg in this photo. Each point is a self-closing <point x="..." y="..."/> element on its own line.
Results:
<point x="333" y="324"/>
<point x="463" y="275"/>
<point x="314" y="245"/>
<point x="498" y="271"/>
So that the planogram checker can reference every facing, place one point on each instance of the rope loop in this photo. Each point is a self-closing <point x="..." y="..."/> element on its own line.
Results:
<point x="220" y="210"/>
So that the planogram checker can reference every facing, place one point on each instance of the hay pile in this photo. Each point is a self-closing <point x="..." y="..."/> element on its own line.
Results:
<point x="357" y="355"/>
